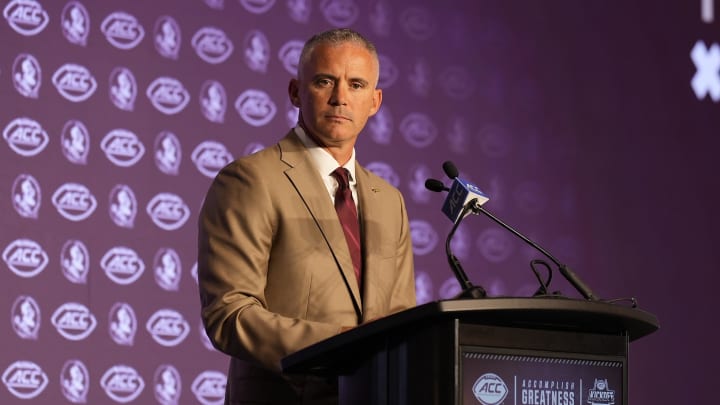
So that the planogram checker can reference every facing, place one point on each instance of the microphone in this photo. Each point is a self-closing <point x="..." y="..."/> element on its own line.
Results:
<point x="468" y="289"/>
<point x="452" y="172"/>
<point x="435" y="185"/>
<point x="460" y="194"/>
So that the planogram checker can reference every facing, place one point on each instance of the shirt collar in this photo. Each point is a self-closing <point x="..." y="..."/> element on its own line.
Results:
<point x="323" y="160"/>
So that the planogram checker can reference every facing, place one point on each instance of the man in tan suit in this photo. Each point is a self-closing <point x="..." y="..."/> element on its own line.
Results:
<point x="275" y="267"/>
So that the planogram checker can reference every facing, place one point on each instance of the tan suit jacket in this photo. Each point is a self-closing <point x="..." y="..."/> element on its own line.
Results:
<point x="275" y="273"/>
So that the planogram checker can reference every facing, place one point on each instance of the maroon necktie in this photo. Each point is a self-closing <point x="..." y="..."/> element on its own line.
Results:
<point x="347" y="213"/>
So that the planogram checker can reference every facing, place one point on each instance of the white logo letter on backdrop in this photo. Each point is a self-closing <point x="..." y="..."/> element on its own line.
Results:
<point x="122" y="30"/>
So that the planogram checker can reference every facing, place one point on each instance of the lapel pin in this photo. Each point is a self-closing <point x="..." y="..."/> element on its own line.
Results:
<point x="374" y="189"/>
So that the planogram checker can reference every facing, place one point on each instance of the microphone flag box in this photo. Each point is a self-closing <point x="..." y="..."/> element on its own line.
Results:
<point x="461" y="192"/>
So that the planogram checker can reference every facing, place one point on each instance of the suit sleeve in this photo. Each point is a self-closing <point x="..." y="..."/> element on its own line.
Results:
<point x="237" y="225"/>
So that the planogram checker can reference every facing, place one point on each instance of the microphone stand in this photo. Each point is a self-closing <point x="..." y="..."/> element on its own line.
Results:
<point x="468" y="289"/>
<point x="569" y="275"/>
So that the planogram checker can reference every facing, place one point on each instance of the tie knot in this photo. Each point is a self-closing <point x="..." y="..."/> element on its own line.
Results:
<point x="341" y="175"/>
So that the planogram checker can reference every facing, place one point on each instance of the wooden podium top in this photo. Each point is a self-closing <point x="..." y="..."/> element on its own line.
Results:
<point x="550" y="313"/>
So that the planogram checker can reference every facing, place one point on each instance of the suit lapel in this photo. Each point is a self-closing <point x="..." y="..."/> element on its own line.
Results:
<point x="306" y="180"/>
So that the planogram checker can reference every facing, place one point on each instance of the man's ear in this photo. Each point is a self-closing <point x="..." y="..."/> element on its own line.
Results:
<point x="293" y="92"/>
<point x="377" y="101"/>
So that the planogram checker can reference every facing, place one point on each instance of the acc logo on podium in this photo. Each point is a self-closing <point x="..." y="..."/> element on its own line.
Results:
<point x="490" y="389"/>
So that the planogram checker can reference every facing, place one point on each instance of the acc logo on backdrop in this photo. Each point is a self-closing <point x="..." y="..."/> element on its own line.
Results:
<point x="213" y="101"/>
<point x="26" y="196"/>
<point x="168" y="268"/>
<point x="168" y="385"/>
<point x="123" y="206"/>
<point x="167" y="37"/>
<point x="27" y="75"/>
<point x="25" y="136"/>
<point x="168" y="95"/>
<point x="490" y="389"/>
<point x="75" y="22"/>
<point x="706" y="80"/>
<point x="25" y="315"/>
<point x="73" y="321"/>
<point x="168" y="211"/>
<point x="122" y="147"/>
<point x="122" y="265"/>
<point x="75" y="381"/>
<point x="252" y="147"/>
<point x="122" y="383"/>
<point x="457" y="83"/>
<point x="417" y="23"/>
<point x="168" y="153"/>
<point x="26" y="17"/>
<point x="424" y="237"/>
<point x="75" y="261"/>
<point x="494" y="245"/>
<point x="289" y="55"/>
<point x="25" y="379"/>
<point x="449" y="288"/>
<point x="123" y="324"/>
<point x="340" y="13"/>
<point x="168" y="327"/>
<point x="212" y="45"/>
<point x="74" y="82"/>
<point x="388" y="72"/>
<point x="123" y="88"/>
<point x="257" y="51"/>
<point x="122" y="30"/>
<point x="25" y="257"/>
<point x="255" y="107"/>
<point x="418" y="130"/>
<point x="257" y="6"/>
<point x="75" y="141"/>
<point x="385" y="171"/>
<point x="209" y="157"/>
<point x="74" y="201"/>
<point x="209" y="387"/>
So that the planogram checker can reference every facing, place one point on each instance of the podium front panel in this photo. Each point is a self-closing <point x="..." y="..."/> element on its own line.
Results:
<point x="560" y="368"/>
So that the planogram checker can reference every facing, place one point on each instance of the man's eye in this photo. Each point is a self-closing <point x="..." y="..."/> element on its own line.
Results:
<point x="324" y="82"/>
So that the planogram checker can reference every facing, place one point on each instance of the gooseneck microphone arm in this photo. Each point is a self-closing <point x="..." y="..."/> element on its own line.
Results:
<point x="569" y="275"/>
<point x="468" y="289"/>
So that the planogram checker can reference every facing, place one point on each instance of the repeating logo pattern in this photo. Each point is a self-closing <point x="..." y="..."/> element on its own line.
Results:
<point x="119" y="116"/>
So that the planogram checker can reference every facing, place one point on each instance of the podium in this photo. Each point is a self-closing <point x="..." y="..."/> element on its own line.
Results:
<point x="486" y="351"/>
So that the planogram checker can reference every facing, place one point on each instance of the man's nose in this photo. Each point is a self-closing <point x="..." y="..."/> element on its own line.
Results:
<point x="339" y="95"/>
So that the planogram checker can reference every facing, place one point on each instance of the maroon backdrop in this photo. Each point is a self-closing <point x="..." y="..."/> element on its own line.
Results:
<point x="592" y="126"/>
